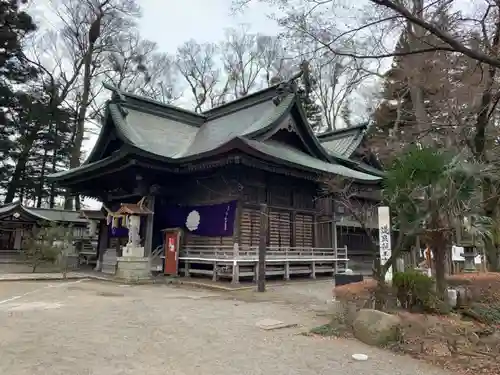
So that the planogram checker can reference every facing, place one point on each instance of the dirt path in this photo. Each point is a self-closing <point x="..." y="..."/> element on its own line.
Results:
<point x="103" y="328"/>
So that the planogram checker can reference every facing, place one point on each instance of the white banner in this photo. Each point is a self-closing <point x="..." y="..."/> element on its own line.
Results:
<point x="384" y="230"/>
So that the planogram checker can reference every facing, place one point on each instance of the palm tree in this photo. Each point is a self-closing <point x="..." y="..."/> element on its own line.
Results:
<point x="433" y="190"/>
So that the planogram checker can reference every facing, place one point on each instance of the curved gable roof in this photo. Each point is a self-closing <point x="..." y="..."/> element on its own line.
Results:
<point x="175" y="137"/>
<point x="343" y="141"/>
<point x="44" y="214"/>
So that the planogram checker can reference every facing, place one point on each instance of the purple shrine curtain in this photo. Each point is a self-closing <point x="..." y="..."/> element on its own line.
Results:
<point x="210" y="220"/>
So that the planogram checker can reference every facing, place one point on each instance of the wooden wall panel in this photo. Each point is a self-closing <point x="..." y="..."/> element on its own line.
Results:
<point x="194" y="240"/>
<point x="250" y="227"/>
<point x="304" y="231"/>
<point x="279" y="229"/>
<point x="324" y="232"/>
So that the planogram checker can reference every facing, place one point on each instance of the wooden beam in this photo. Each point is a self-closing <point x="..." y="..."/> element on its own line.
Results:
<point x="261" y="281"/>
<point x="102" y="243"/>
<point x="237" y="221"/>
<point x="148" y="240"/>
<point x="72" y="183"/>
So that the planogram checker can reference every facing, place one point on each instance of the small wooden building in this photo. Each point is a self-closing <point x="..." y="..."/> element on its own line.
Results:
<point x="351" y="143"/>
<point x="16" y="220"/>
<point x="207" y="173"/>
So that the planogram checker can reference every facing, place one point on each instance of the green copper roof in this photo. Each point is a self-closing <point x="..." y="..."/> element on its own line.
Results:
<point x="174" y="139"/>
<point x="216" y="132"/>
<point x="158" y="135"/>
<point x="343" y="141"/>
<point x="181" y="136"/>
<point x="46" y="214"/>
<point x="300" y="159"/>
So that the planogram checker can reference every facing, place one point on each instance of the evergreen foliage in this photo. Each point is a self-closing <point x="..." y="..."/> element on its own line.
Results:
<point x="14" y="26"/>
<point x="312" y="109"/>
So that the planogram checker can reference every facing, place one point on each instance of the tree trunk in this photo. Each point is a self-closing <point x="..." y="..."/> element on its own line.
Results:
<point x="483" y="119"/>
<point x="492" y="252"/>
<point x="53" y="162"/>
<point x="439" y="248"/>
<point x="41" y="183"/>
<point x="20" y="166"/>
<point x="80" y="123"/>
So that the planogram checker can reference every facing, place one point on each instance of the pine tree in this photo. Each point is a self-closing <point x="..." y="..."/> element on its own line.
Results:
<point x="43" y="140"/>
<point x="305" y="91"/>
<point x="15" y="24"/>
<point x="395" y="121"/>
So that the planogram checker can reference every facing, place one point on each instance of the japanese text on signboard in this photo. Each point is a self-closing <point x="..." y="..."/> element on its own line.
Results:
<point x="385" y="242"/>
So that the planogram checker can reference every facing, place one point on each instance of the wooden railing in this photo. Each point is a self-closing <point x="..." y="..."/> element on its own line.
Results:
<point x="273" y="253"/>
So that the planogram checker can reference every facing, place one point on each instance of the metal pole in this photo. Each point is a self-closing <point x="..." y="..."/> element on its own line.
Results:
<point x="261" y="281"/>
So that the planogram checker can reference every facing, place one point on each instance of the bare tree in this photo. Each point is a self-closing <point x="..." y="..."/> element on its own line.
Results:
<point x="275" y="60"/>
<point x="57" y="82"/>
<point x="137" y="66"/>
<point x="87" y="34"/>
<point x="198" y="65"/>
<point x="241" y="63"/>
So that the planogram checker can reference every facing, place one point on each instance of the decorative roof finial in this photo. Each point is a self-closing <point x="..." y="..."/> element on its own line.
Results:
<point x="117" y="98"/>
<point x="290" y="86"/>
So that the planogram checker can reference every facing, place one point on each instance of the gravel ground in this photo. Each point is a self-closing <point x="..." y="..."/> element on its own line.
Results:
<point x="87" y="327"/>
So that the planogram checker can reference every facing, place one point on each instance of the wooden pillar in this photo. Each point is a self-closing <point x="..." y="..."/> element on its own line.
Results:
<point x="148" y="233"/>
<point x="315" y="232"/>
<point x="287" y="270"/>
<point x="214" y="274"/>
<point x="313" y="270"/>
<point x="102" y="243"/>
<point x="334" y="235"/>
<point x="18" y="239"/>
<point x="236" y="268"/>
<point x="237" y="223"/>
<point x="236" y="273"/>
<point x="264" y="220"/>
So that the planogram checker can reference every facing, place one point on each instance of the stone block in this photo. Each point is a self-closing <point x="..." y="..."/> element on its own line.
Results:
<point x="375" y="327"/>
<point x="133" y="251"/>
<point x="108" y="265"/>
<point x="133" y="268"/>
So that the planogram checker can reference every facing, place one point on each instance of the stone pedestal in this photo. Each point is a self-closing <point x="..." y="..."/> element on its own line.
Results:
<point x="133" y="251"/>
<point x="133" y="269"/>
<point x="469" y="255"/>
<point x="470" y="265"/>
<point x="108" y="265"/>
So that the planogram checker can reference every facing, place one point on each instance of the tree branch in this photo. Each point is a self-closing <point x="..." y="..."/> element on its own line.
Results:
<point x="441" y="34"/>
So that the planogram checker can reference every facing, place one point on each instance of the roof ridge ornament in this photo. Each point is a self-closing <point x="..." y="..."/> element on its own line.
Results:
<point x="290" y="86"/>
<point x="117" y="98"/>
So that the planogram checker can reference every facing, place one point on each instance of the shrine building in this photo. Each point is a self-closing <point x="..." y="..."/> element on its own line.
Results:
<point x="203" y="177"/>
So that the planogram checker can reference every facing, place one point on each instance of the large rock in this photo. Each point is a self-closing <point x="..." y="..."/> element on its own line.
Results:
<point x="375" y="327"/>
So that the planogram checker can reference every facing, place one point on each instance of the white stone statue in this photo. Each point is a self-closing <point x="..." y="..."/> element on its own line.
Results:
<point x="134" y="225"/>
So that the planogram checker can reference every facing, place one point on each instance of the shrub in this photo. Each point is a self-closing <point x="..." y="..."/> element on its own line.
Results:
<point x="488" y="314"/>
<point x="415" y="291"/>
<point x="42" y="246"/>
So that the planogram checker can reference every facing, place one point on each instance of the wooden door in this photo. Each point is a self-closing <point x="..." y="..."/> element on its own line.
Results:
<point x="171" y="252"/>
